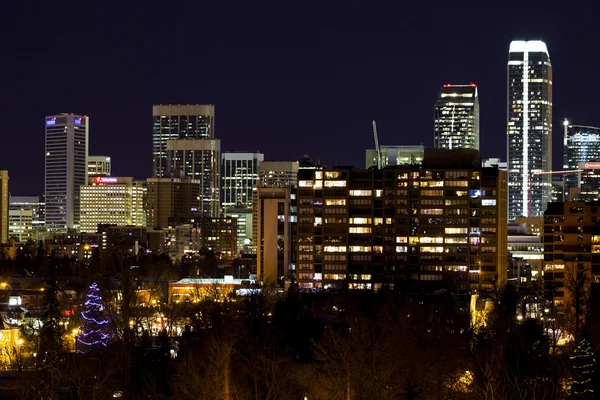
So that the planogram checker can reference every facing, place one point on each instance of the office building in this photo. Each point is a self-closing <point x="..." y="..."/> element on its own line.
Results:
<point x="26" y="215"/>
<point x="456" y="118"/>
<point x="278" y="174"/>
<point x="67" y="138"/>
<point x="438" y="225"/>
<point x="495" y="162"/>
<point x="243" y="217"/>
<point x="529" y="121"/>
<point x="171" y="201"/>
<point x="395" y="155"/>
<point x="274" y="235"/>
<point x="528" y="248"/>
<point x="112" y="201"/>
<point x="178" y="121"/>
<point x="239" y="173"/>
<point x="4" y="201"/>
<point x="217" y="234"/>
<point x="581" y="145"/>
<point x="99" y="166"/>
<point x="200" y="160"/>
<point x="571" y="243"/>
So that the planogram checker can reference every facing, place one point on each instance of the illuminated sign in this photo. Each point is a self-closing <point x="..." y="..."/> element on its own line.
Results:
<point x="51" y="122"/>
<point x="106" y="179"/>
<point x="591" y="165"/>
<point x="78" y="121"/>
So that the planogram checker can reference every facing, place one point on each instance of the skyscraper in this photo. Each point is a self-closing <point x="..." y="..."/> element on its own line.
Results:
<point x="4" y="201"/>
<point x="175" y="121"/>
<point x="99" y="166"/>
<point x="66" y="169"/>
<point x="239" y="174"/>
<point x="529" y="123"/>
<point x="200" y="160"/>
<point x="581" y="145"/>
<point x="456" y="118"/>
<point x="26" y="215"/>
<point x="171" y="201"/>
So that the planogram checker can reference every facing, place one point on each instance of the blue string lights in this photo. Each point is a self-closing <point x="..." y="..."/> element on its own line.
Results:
<point x="93" y="332"/>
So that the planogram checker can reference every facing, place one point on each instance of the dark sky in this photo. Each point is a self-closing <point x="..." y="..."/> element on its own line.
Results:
<point x="287" y="78"/>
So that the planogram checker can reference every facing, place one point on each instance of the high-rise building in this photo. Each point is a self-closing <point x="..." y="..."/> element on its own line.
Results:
<point x="171" y="201"/>
<point x="99" y="166"/>
<point x="395" y="155"/>
<point x="112" y="200"/>
<point x="581" y="145"/>
<point x="26" y="215"/>
<point x="278" y="174"/>
<point x="198" y="159"/>
<point x="4" y="201"/>
<point x="529" y="120"/>
<point x="274" y="235"/>
<point x="67" y="139"/>
<point x="239" y="173"/>
<point x="243" y="217"/>
<point x="456" y="118"/>
<point x="178" y="121"/>
<point x="441" y="224"/>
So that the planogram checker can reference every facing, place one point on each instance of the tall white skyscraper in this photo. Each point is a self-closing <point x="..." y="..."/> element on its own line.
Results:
<point x="529" y="123"/>
<point x="67" y="139"/>
<point x="456" y="118"/>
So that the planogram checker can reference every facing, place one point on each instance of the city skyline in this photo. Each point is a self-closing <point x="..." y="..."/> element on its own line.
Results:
<point x="256" y="103"/>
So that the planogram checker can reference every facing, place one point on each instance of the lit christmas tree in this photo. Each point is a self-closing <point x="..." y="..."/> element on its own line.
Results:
<point x="93" y="334"/>
<point x="584" y="366"/>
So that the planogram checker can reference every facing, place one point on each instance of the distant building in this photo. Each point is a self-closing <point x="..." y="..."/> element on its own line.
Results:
<point x="67" y="140"/>
<point x="581" y="145"/>
<point x="529" y="121"/>
<point x="79" y="246"/>
<point x="456" y="118"/>
<point x="198" y="159"/>
<point x="395" y="155"/>
<point x="588" y="183"/>
<point x="529" y="248"/>
<point x="243" y="217"/>
<point x="4" y="202"/>
<point x="178" y="121"/>
<point x="217" y="234"/>
<point x="112" y="200"/>
<point x="438" y="225"/>
<point x="495" y="162"/>
<point x="278" y="174"/>
<point x="99" y="166"/>
<point x="171" y="201"/>
<point x="239" y="173"/>
<point x="533" y="226"/>
<point x="26" y="216"/>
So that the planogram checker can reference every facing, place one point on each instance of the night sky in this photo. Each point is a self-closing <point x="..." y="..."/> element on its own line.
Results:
<point x="287" y="78"/>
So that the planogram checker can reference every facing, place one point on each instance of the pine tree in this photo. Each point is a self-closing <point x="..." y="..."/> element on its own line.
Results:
<point x="51" y="333"/>
<point x="94" y="329"/>
<point x="584" y="366"/>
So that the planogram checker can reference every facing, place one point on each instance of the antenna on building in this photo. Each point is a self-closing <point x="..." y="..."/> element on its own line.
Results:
<point x="377" y="149"/>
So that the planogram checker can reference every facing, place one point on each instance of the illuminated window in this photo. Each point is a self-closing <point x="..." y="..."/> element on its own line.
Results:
<point x="335" y="202"/>
<point x="401" y="249"/>
<point x="456" y="231"/>
<point x="360" y="221"/>
<point x="361" y="193"/>
<point x="377" y="249"/>
<point x="436" y="240"/>
<point x="335" y="183"/>
<point x="334" y="277"/>
<point x="378" y="221"/>
<point x="305" y="183"/>
<point x="401" y="239"/>
<point x="432" y="211"/>
<point x="360" y="249"/>
<point x="332" y="174"/>
<point x="488" y="202"/>
<point x="334" y="249"/>
<point x="318" y="184"/>
<point x="357" y="229"/>
<point x="318" y="174"/>
<point x="432" y="249"/>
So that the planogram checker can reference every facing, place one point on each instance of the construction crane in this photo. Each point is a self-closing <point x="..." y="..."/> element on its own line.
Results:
<point x="377" y="149"/>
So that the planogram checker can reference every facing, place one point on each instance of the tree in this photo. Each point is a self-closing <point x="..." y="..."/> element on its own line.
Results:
<point x="94" y="328"/>
<point x="577" y="287"/>
<point x="584" y="366"/>
<point x="50" y="334"/>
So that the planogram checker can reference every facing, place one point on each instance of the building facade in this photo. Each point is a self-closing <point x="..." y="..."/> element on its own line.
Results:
<point x="113" y="201"/>
<point x="198" y="159"/>
<point x="239" y="175"/>
<point x="581" y="145"/>
<point x="395" y="155"/>
<point x="442" y="224"/>
<point x="178" y="121"/>
<point x="278" y="173"/>
<point x="456" y="118"/>
<point x="99" y="166"/>
<point x="171" y="201"/>
<point x="243" y="216"/>
<point x="4" y="207"/>
<point x="26" y="215"/>
<point x="67" y="138"/>
<point x="529" y="121"/>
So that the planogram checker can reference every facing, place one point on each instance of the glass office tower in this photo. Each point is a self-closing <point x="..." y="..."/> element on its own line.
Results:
<point x="456" y="118"/>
